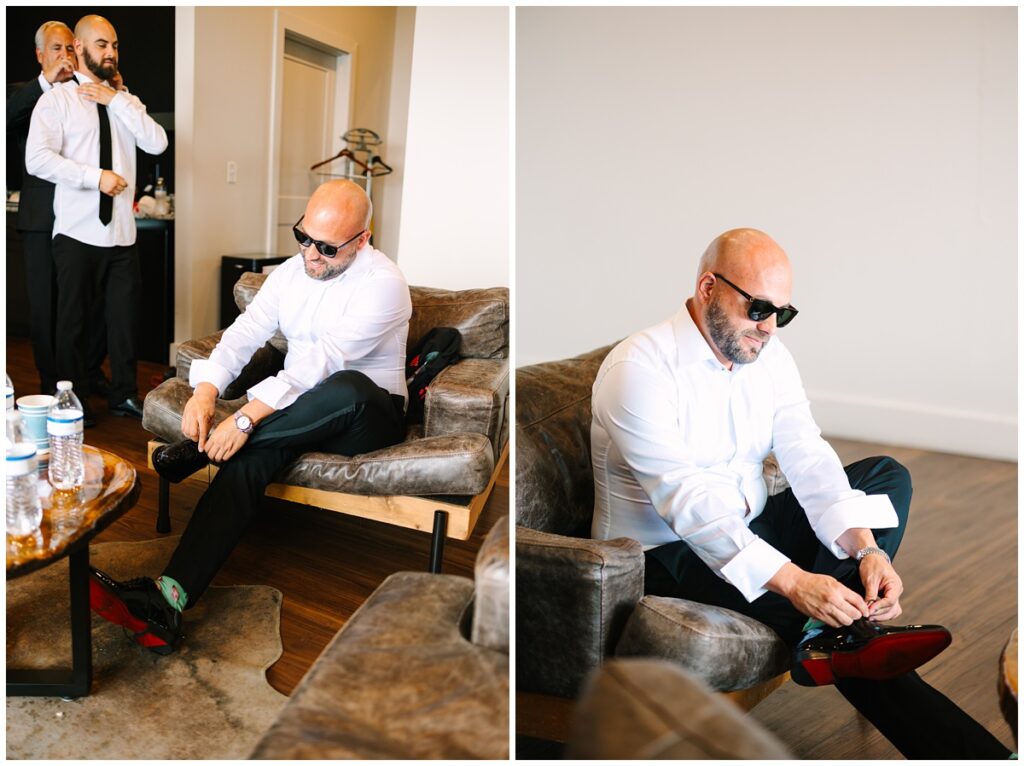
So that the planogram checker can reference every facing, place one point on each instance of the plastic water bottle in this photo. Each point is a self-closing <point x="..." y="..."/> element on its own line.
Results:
<point x="24" y="513"/>
<point x="9" y="393"/>
<point x="64" y="425"/>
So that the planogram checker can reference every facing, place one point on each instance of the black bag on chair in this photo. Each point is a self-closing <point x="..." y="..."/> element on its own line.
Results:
<point x="435" y="351"/>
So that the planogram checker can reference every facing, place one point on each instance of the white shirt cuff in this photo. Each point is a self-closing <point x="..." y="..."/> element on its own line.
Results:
<point x="270" y="391"/>
<point x="205" y="371"/>
<point x="867" y="511"/>
<point x="91" y="179"/>
<point x="752" y="567"/>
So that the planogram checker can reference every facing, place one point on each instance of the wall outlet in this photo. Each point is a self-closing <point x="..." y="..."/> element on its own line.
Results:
<point x="232" y="172"/>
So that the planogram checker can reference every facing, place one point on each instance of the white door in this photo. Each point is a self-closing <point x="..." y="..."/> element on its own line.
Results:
<point x="307" y="132"/>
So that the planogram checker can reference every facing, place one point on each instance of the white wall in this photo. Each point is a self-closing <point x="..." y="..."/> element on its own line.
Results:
<point x="225" y="60"/>
<point x="877" y="145"/>
<point x="454" y="208"/>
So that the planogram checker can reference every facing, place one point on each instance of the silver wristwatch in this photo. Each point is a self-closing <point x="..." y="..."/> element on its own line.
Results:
<point x="244" y="423"/>
<point x="868" y="551"/>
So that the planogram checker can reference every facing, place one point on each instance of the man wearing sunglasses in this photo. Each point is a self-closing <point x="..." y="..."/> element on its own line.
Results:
<point x="344" y="309"/>
<point x="684" y="415"/>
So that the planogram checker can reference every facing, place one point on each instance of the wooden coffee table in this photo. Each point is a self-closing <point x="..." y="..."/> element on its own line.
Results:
<point x="70" y="521"/>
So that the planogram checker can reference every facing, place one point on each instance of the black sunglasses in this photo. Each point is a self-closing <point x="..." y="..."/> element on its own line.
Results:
<point x="759" y="310"/>
<point x="328" y="251"/>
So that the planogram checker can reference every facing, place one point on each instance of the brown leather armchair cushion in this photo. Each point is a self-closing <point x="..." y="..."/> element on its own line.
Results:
<point x="651" y="709"/>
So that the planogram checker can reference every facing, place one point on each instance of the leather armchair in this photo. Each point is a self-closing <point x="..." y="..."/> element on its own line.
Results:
<point x="578" y="600"/>
<point x="419" y="671"/>
<point x="447" y="463"/>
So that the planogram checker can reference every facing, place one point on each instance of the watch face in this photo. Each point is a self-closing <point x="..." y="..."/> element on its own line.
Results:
<point x="243" y="422"/>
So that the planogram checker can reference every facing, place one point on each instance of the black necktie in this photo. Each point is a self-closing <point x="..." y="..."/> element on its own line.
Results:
<point x="106" y="163"/>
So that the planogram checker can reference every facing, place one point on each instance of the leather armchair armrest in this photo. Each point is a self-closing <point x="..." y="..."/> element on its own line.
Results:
<point x="469" y="396"/>
<point x="190" y="350"/>
<point x="573" y="597"/>
<point x="491" y="580"/>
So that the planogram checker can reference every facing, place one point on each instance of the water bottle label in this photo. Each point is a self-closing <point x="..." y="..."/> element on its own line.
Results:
<point x="65" y="423"/>
<point x="9" y="397"/>
<point x="21" y="459"/>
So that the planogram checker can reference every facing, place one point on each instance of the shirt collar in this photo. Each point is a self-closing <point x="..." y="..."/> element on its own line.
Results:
<point x="691" y="346"/>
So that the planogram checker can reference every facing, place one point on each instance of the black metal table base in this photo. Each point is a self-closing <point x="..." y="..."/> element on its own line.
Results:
<point x="437" y="541"/>
<point x="62" y="682"/>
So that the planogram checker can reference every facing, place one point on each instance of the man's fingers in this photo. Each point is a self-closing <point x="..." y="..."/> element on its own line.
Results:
<point x="203" y="430"/>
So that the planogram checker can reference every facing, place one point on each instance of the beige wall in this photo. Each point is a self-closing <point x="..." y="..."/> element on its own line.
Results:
<point x="224" y="111"/>
<point x="877" y="145"/>
<point x="454" y="211"/>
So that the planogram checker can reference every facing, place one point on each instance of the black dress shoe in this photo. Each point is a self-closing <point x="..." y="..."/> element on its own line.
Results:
<point x="131" y="408"/>
<point x="865" y="650"/>
<point x="139" y="606"/>
<point x="176" y="462"/>
<point x="88" y="417"/>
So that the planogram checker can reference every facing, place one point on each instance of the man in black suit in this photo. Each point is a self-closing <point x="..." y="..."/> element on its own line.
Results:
<point x="55" y="52"/>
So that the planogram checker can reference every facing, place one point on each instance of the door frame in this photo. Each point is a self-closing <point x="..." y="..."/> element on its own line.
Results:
<point x="345" y="48"/>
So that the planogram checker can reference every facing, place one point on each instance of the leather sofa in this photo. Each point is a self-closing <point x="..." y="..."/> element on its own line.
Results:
<point x="419" y="671"/>
<point x="640" y="709"/>
<point x="578" y="600"/>
<point x="453" y="455"/>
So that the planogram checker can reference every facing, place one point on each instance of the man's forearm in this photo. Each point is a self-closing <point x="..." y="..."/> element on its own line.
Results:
<point x="257" y="410"/>
<point x="856" y="538"/>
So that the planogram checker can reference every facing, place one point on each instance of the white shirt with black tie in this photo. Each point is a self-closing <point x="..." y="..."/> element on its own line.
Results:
<point x="64" y="147"/>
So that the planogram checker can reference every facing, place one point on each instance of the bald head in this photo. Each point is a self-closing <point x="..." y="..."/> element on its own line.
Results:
<point x="96" y="46"/>
<point x="745" y="250"/>
<point x="340" y="205"/>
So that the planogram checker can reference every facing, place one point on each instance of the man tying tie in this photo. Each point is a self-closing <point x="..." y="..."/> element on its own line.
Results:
<point x="82" y="138"/>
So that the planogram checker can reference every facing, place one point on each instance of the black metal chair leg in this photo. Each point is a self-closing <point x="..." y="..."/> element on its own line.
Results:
<point x="437" y="541"/>
<point x="163" y="513"/>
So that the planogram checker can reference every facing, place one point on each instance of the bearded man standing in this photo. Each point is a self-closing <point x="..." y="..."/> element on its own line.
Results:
<point x="82" y="138"/>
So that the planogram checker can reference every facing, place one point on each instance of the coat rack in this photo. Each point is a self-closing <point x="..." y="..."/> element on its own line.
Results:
<point x="359" y="160"/>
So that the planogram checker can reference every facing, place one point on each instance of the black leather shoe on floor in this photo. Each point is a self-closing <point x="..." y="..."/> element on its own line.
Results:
<point x="176" y="462"/>
<point x="131" y="408"/>
<point x="865" y="650"/>
<point x="139" y="606"/>
<point x="88" y="417"/>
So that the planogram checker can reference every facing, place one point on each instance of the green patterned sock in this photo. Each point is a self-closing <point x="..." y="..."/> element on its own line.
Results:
<point x="811" y="624"/>
<point x="173" y="592"/>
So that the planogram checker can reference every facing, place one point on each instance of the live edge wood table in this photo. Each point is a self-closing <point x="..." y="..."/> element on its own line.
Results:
<point x="70" y="521"/>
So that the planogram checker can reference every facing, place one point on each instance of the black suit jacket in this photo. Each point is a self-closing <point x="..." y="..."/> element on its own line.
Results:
<point x="35" y="211"/>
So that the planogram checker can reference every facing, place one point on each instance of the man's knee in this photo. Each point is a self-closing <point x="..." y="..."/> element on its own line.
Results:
<point x="348" y="387"/>
<point x="886" y="475"/>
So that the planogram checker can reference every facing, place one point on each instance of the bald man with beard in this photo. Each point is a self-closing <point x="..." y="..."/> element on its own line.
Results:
<point x="684" y="415"/>
<point x="344" y="309"/>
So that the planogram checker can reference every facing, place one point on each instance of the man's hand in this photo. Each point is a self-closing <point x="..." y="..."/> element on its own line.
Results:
<point x="117" y="81"/>
<point x="819" y="596"/>
<point x="111" y="183"/>
<point x="881" y="585"/>
<point x="198" y="415"/>
<point x="225" y="441"/>
<point x="101" y="94"/>
<point x="59" y="71"/>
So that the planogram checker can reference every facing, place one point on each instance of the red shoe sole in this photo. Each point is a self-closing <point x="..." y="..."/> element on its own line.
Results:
<point x="111" y="608"/>
<point x="881" y="659"/>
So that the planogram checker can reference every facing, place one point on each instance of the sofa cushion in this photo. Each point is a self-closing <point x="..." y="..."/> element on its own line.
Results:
<point x="726" y="649"/>
<point x="554" y="478"/>
<point x="399" y="681"/>
<point x="650" y="709"/>
<point x="457" y="464"/>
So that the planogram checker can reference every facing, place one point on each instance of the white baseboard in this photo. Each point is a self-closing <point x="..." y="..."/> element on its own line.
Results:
<point x="906" y="424"/>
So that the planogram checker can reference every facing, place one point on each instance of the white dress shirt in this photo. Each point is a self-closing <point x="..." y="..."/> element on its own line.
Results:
<point x="678" y="442"/>
<point x="358" y="320"/>
<point x="64" y="147"/>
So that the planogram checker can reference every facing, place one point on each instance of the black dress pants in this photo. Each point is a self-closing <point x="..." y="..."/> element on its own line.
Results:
<point x="346" y="414"/>
<point x="917" y="719"/>
<point x="41" y="287"/>
<point x="92" y="279"/>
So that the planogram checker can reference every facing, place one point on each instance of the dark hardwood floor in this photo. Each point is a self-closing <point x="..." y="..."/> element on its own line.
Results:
<point x="324" y="563"/>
